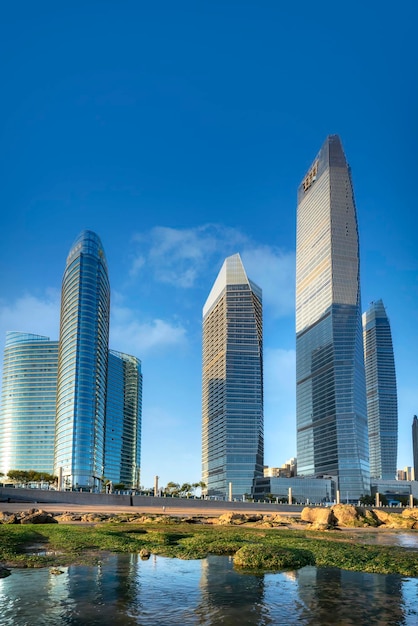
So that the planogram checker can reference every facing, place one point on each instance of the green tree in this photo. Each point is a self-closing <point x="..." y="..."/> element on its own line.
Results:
<point x="19" y="476"/>
<point x="185" y="490"/>
<point x="367" y="500"/>
<point x="200" y="485"/>
<point x="172" y="489"/>
<point x="31" y="476"/>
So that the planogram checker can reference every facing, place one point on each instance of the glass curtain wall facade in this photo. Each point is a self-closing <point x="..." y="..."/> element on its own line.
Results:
<point x="27" y="415"/>
<point x="382" y="398"/>
<point x="123" y="420"/>
<point x="332" y="434"/>
<point x="232" y="384"/>
<point x="415" y="445"/>
<point x="82" y="365"/>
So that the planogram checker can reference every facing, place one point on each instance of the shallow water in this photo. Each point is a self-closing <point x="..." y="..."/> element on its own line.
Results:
<point x="391" y="538"/>
<point x="124" y="590"/>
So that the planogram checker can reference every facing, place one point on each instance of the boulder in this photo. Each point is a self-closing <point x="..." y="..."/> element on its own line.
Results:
<point x="410" y="513"/>
<point x="319" y="518"/>
<point x="231" y="518"/>
<point x="68" y="517"/>
<point x="394" y="520"/>
<point x="4" y="572"/>
<point x="37" y="516"/>
<point x="348" y="515"/>
<point x="8" y="518"/>
<point x="144" y="554"/>
<point x="93" y="517"/>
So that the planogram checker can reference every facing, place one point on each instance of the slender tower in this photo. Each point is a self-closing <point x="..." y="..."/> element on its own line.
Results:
<point x="27" y="414"/>
<point x="332" y="436"/>
<point x="232" y="394"/>
<point x="415" y="445"/>
<point x="82" y="365"/>
<point x="382" y="399"/>
<point x="123" y="420"/>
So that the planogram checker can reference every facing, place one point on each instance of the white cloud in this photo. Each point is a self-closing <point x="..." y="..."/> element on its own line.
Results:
<point x="179" y="257"/>
<point x="273" y="271"/>
<point x="183" y="257"/>
<point x="137" y="338"/>
<point x="31" y="314"/>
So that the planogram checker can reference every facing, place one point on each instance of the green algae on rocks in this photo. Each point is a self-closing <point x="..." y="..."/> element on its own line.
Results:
<point x="252" y="548"/>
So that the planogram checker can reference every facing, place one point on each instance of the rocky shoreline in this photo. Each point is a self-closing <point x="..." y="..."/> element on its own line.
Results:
<point x="311" y="518"/>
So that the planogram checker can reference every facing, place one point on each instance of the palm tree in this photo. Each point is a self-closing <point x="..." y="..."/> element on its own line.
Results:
<point x="186" y="490"/>
<point x="200" y="485"/>
<point x="172" y="489"/>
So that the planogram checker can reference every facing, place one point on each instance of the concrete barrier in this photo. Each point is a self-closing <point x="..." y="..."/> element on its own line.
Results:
<point x="39" y="496"/>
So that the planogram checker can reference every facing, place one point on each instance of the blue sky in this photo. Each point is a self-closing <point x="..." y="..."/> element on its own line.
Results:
<point x="179" y="132"/>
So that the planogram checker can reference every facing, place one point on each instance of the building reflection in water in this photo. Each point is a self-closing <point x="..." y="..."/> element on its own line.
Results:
<point x="124" y="590"/>
<point x="227" y="594"/>
<point x="331" y="595"/>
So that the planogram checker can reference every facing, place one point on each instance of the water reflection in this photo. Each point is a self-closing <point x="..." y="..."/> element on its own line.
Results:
<point x="356" y="597"/>
<point x="225" y="593"/>
<point x="124" y="590"/>
<point x="401" y="539"/>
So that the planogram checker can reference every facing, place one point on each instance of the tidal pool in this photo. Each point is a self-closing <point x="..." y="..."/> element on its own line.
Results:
<point x="124" y="590"/>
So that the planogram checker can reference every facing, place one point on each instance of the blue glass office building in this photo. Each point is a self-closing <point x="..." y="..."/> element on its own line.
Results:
<point x="232" y="384"/>
<point x="415" y="445"/>
<point x="27" y="414"/>
<point x="123" y="420"/>
<point x="82" y="365"/>
<point x="331" y="412"/>
<point x="382" y="397"/>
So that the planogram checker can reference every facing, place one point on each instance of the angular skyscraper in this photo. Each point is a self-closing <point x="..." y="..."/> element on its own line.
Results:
<point x="232" y="394"/>
<point x="82" y="365"/>
<point x="415" y="445"/>
<point x="331" y="412"/>
<point x="27" y="414"/>
<point x="123" y="420"/>
<point x="382" y="398"/>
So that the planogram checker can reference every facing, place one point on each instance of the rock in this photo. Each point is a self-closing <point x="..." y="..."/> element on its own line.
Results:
<point x="348" y="515"/>
<point x="4" y="572"/>
<point x="394" y="520"/>
<point x="320" y="518"/>
<point x="269" y="521"/>
<point x="410" y="513"/>
<point x="68" y="517"/>
<point x="93" y="517"/>
<point x="8" y="518"/>
<point x="144" y="554"/>
<point x="37" y="516"/>
<point x="231" y="518"/>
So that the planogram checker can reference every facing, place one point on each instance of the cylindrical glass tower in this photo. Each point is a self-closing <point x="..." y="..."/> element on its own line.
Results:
<point x="27" y="414"/>
<point x="82" y="365"/>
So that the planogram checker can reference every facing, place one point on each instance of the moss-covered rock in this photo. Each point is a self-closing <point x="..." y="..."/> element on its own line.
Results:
<point x="261" y="557"/>
<point x="394" y="520"/>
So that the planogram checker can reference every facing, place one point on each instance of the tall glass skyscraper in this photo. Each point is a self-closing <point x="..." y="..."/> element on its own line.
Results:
<point x="382" y="398"/>
<point x="82" y="365"/>
<point x="415" y="445"/>
<point x="27" y="414"/>
<point x="232" y="393"/>
<point x="123" y="420"/>
<point x="331" y="412"/>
